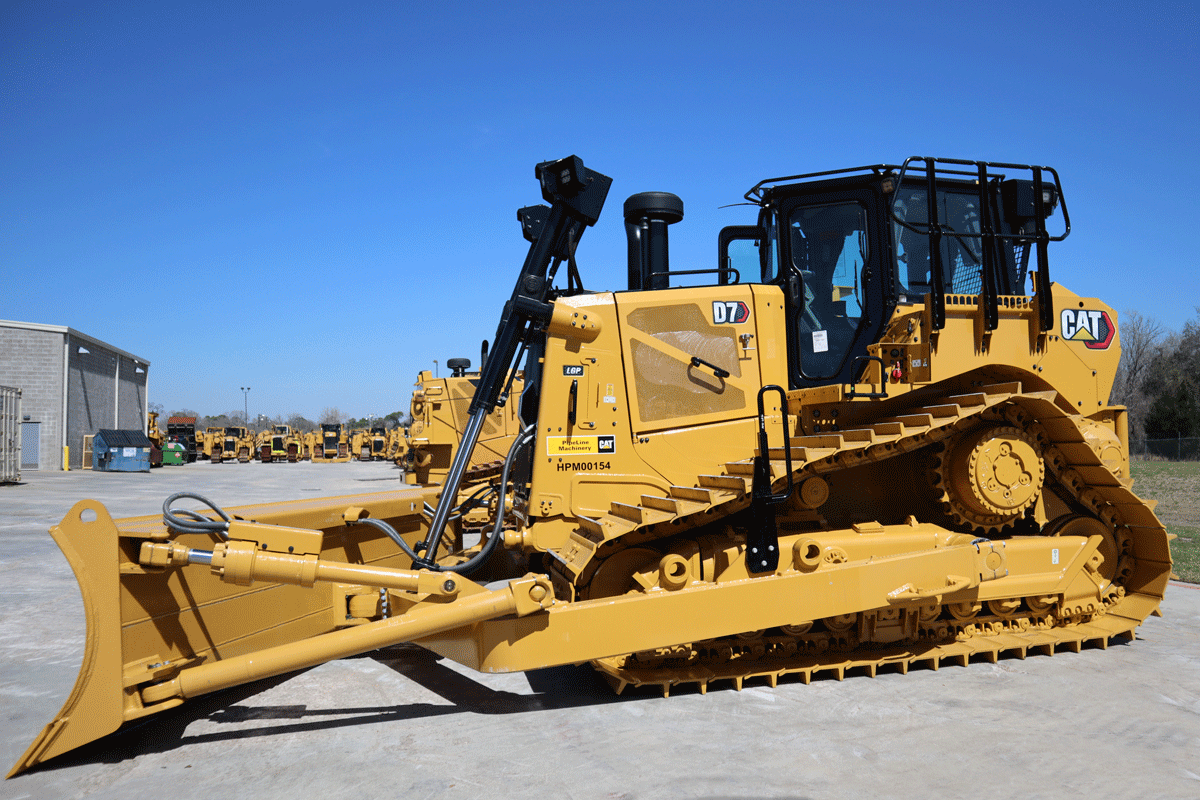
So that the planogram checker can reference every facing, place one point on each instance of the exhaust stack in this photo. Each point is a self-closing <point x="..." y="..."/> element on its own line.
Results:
<point x="647" y="216"/>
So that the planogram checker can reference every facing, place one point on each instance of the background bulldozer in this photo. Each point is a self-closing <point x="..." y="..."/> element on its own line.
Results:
<point x="397" y="449"/>
<point x="208" y="442"/>
<point x="235" y="443"/>
<point x="378" y="443"/>
<point x="439" y="410"/>
<point x="157" y="439"/>
<point x="331" y="443"/>
<point x="369" y="444"/>
<point x="360" y="444"/>
<point x="278" y="443"/>
<point x="868" y="444"/>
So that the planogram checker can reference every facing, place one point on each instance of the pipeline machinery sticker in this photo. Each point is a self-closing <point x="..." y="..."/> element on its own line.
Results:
<point x="580" y="445"/>
<point x="1093" y="328"/>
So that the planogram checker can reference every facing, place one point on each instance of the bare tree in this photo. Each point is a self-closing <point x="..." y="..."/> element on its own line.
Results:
<point x="1142" y="339"/>
<point x="299" y="422"/>
<point x="331" y="415"/>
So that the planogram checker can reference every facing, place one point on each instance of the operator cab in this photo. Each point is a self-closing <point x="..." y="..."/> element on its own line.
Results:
<point x="848" y="247"/>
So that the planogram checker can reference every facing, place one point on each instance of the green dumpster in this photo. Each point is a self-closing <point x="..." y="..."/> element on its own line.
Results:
<point x="173" y="453"/>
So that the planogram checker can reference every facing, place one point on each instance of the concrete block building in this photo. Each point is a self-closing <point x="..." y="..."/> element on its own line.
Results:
<point x="72" y="385"/>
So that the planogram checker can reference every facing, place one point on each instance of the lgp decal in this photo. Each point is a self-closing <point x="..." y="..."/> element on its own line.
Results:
<point x="1093" y="328"/>
<point x="730" y="312"/>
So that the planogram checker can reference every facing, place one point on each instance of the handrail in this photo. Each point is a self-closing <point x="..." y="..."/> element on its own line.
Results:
<point x="988" y="236"/>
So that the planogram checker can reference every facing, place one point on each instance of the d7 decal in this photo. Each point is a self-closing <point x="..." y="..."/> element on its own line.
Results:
<point x="730" y="312"/>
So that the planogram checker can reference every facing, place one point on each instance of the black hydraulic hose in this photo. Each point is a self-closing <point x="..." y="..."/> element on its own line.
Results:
<point x="464" y="506"/>
<point x="474" y="500"/>
<point x="479" y="559"/>
<point x="187" y="521"/>
<point x="391" y="532"/>
<point x="395" y="536"/>
<point x="489" y="546"/>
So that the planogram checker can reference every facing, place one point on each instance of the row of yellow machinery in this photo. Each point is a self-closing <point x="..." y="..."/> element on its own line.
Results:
<point x="878" y="438"/>
<point x="438" y="408"/>
<point x="280" y="443"/>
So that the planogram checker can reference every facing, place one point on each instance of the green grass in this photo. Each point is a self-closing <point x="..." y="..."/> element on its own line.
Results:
<point x="1185" y="552"/>
<point x="1176" y="487"/>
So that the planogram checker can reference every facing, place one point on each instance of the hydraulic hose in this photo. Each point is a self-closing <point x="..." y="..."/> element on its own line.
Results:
<point x="391" y="532"/>
<point x="463" y="507"/>
<point x="187" y="521"/>
<point x="489" y="547"/>
<point x="395" y="536"/>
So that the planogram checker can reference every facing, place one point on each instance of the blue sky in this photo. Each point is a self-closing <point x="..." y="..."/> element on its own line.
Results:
<point x="319" y="200"/>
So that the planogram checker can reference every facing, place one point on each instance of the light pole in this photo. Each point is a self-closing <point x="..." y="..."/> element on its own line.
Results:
<point x="246" y="404"/>
<point x="435" y="368"/>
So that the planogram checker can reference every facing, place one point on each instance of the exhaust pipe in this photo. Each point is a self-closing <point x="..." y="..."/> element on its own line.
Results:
<point x="647" y="216"/>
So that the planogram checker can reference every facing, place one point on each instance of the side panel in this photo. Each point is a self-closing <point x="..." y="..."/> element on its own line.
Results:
<point x="663" y="332"/>
<point x="702" y="435"/>
<point x="643" y="418"/>
<point x="582" y="466"/>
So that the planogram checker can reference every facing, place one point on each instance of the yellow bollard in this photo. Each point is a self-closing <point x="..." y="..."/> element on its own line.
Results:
<point x="66" y="458"/>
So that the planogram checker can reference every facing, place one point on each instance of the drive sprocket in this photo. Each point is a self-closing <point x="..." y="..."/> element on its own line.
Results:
<point x="988" y="477"/>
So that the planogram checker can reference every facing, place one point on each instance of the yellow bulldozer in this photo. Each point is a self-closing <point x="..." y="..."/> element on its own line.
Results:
<point x="209" y="442"/>
<point x="279" y="443"/>
<point x="360" y="447"/>
<point x="235" y="443"/>
<point x="379" y="441"/>
<point x="369" y="444"/>
<point x="331" y="444"/>
<point x="879" y="439"/>
<point x="308" y="444"/>
<point x="397" y="448"/>
<point x="439" y="409"/>
<point x="157" y="439"/>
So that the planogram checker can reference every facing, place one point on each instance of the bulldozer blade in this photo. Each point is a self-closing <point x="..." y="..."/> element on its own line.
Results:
<point x="145" y="625"/>
<point x="94" y="707"/>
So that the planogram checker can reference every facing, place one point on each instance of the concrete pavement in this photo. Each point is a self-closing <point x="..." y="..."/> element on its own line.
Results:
<point x="401" y="723"/>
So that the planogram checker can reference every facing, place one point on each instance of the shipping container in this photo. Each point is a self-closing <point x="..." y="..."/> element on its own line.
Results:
<point x="10" y="435"/>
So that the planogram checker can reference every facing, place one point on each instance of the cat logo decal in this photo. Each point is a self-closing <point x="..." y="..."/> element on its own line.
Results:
<point x="1094" y="328"/>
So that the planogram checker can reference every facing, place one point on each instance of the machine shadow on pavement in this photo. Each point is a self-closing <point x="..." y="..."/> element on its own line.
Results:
<point x="554" y="688"/>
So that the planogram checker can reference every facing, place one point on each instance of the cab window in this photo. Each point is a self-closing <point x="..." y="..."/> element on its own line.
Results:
<point x="828" y="245"/>
<point x="962" y="257"/>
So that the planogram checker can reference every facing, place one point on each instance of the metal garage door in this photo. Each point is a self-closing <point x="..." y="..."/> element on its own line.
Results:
<point x="31" y="440"/>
